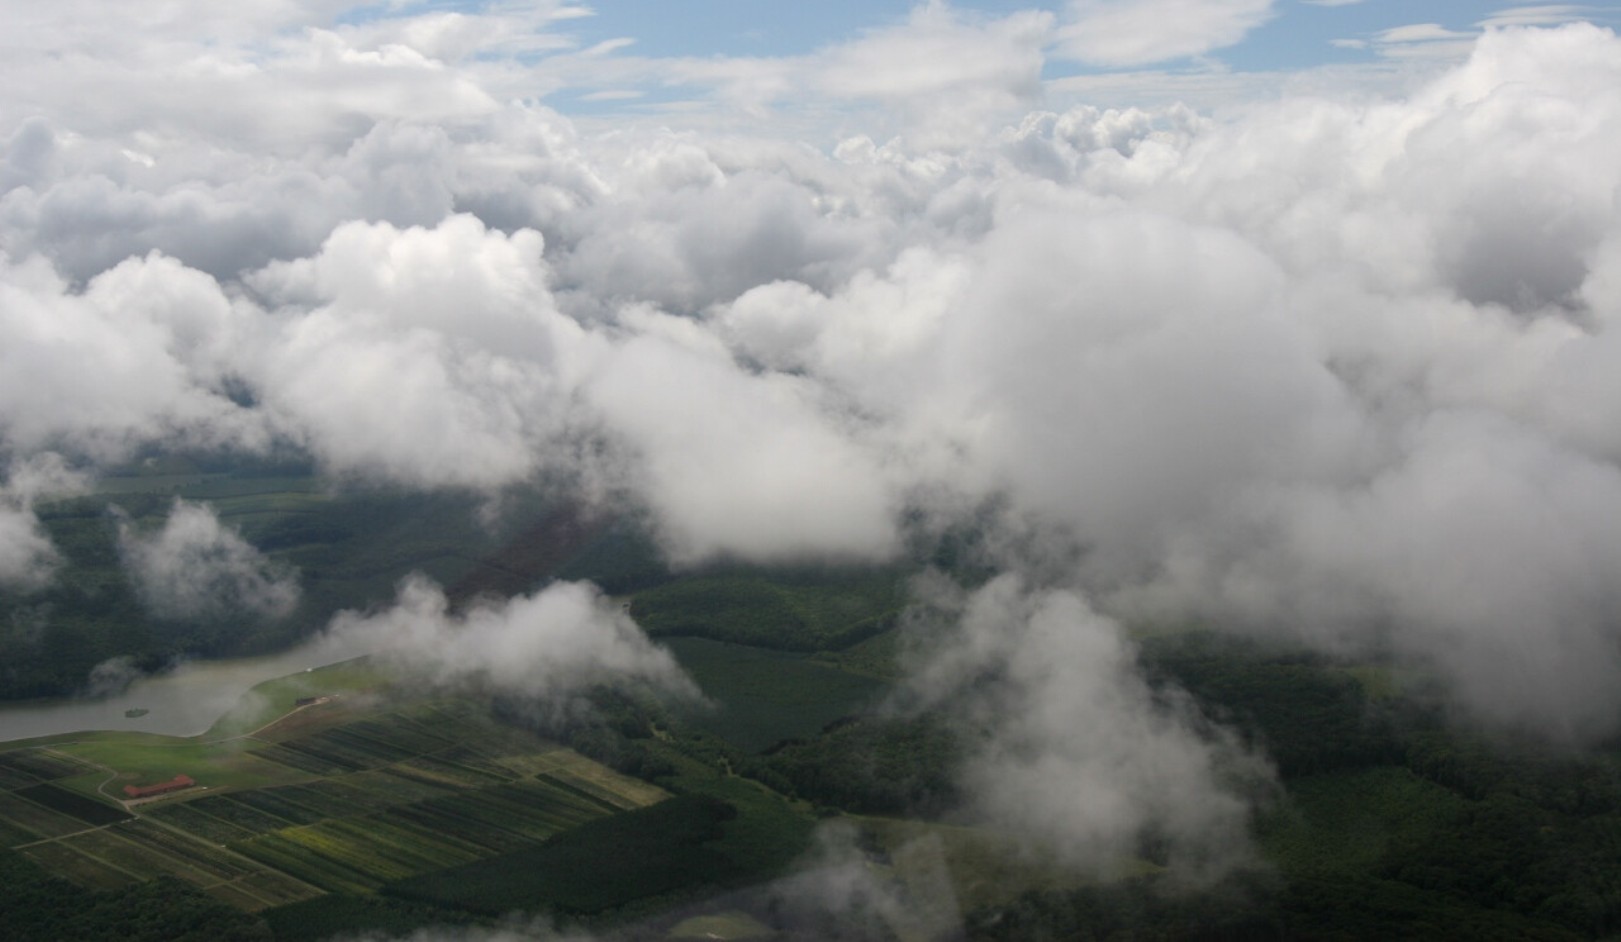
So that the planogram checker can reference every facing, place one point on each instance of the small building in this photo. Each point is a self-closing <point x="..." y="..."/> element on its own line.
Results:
<point x="162" y="788"/>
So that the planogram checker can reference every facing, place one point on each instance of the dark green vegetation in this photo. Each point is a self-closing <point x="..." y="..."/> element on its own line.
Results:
<point x="1393" y="824"/>
<point x="792" y="610"/>
<point x="762" y="696"/>
<point x="391" y="810"/>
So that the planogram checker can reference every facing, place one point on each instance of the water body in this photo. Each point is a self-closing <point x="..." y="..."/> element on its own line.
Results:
<point x="183" y="702"/>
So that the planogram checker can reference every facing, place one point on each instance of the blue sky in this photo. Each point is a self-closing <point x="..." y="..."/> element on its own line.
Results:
<point x="1298" y="35"/>
<point x="1087" y="40"/>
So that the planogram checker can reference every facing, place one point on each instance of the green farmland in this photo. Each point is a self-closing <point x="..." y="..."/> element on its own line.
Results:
<point x="344" y="796"/>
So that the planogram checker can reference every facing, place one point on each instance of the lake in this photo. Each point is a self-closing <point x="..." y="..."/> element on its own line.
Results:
<point x="183" y="702"/>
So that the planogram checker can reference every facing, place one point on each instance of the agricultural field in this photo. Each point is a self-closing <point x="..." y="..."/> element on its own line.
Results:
<point x="335" y="798"/>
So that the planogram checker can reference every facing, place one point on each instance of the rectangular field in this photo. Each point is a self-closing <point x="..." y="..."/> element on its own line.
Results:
<point x="143" y="861"/>
<point x="41" y="765"/>
<point x="85" y="871"/>
<point x="88" y="810"/>
<point x="37" y="818"/>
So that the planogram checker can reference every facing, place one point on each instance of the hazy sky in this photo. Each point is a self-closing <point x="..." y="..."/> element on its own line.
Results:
<point x="1287" y="318"/>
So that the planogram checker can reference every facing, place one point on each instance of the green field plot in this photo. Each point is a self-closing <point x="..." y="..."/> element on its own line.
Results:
<point x="332" y="799"/>
<point x="336" y="758"/>
<point x="226" y="808"/>
<point x="373" y="860"/>
<point x="145" y="758"/>
<point x="386" y="787"/>
<point x="205" y="826"/>
<point x="379" y="752"/>
<point x="86" y="871"/>
<point x="11" y="835"/>
<point x="493" y="838"/>
<point x="399" y="732"/>
<point x="476" y="733"/>
<point x="306" y="864"/>
<point x="299" y="761"/>
<point x="601" y="782"/>
<point x="533" y="809"/>
<point x="766" y="696"/>
<point x="143" y="861"/>
<point x="40" y="765"/>
<point x="476" y="759"/>
<point x="37" y="818"/>
<point x="275" y="802"/>
<point x="279" y="888"/>
<point x="90" y="811"/>
<point x="437" y="771"/>
<point x="11" y="778"/>
<point x="241" y="897"/>
<point x="209" y="858"/>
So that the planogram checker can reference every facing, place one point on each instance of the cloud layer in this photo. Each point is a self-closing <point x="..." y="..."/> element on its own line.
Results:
<point x="1332" y="365"/>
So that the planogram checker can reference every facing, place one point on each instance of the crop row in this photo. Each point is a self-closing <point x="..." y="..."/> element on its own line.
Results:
<point x="330" y="797"/>
<point x="143" y="861"/>
<point x="279" y="803"/>
<point x="437" y="771"/>
<point x="604" y="783"/>
<point x="228" y="809"/>
<point x="309" y="865"/>
<point x="81" y="869"/>
<point x="35" y="818"/>
<point x="204" y="857"/>
<point x="436" y="820"/>
<point x="206" y="826"/>
<point x="531" y="809"/>
<point x="41" y="765"/>
<point x="399" y="731"/>
<point x="302" y="761"/>
<point x="73" y="805"/>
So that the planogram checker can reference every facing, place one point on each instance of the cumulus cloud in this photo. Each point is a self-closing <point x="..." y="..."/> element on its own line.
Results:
<point x="1072" y="749"/>
<point x="195" y="567"/>
<point x="560" y="640"/>
<point x="138" y="355"/>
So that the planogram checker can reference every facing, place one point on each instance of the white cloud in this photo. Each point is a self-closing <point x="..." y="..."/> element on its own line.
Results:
<point x="556" y="642"/>
<point x="1072" y="750"/>
<point x="194" y="567"/>
<point x="27" y="557"/>
<point x="1541" y="14"/>
<point x="1140" y="32"/>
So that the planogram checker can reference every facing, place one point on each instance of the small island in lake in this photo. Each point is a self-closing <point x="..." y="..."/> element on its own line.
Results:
<point x="136" y="713"/>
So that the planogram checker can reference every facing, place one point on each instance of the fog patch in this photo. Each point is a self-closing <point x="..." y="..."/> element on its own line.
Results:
<point x="1072" y="749"/>
<point x="196" y="567"/>
<point x="27" y="557"/>
<point x="560" y="640"/>
<point x="112" y="677"/>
